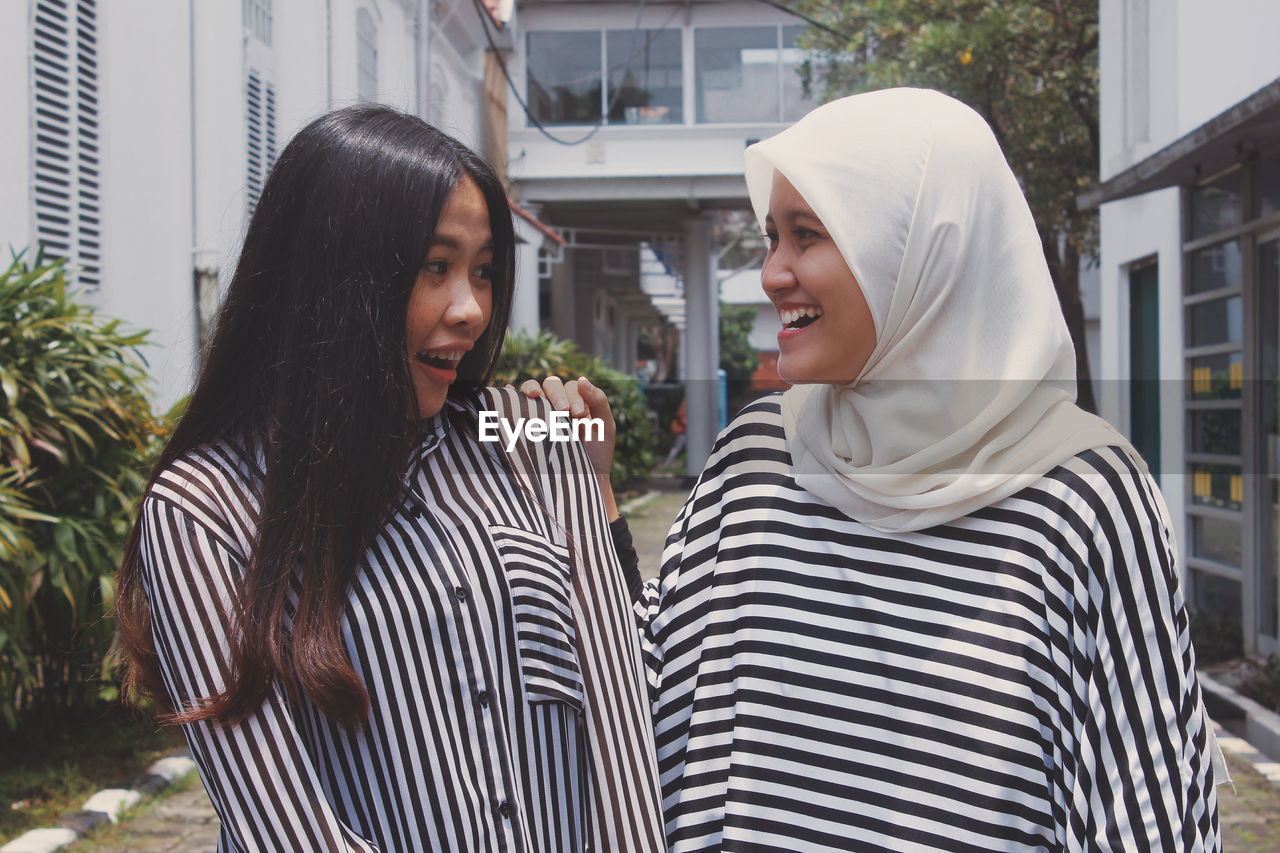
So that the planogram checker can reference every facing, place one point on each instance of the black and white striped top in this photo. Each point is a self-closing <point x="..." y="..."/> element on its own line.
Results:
<point x="502" y="664"/>
<point x="1020" y="679"/>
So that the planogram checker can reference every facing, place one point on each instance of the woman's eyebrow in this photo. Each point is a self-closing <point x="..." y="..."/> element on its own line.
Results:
<point x="792" y="214"/>
<point x="450" y="242"/>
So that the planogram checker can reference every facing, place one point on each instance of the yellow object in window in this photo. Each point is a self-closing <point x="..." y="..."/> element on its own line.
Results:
<point x="1237" y="488"/>
<point x="1201" y="380"/>
<point x="1201" y="484"/>
<point x="1235" y="375"/>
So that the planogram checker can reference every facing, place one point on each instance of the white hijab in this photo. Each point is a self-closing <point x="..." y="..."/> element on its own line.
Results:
<point x="969" y="394"/>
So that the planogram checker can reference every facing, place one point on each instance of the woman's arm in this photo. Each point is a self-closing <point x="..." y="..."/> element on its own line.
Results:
<point x="1143" y="764"/>
<point x="258" y="774"/>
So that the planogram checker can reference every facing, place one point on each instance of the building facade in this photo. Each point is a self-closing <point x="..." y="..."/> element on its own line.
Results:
<point x="151" y="125"/>
<point x="1190" y="247"/>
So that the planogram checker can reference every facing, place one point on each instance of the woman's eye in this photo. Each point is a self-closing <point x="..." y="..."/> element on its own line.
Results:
<point x="805" y="234"/>
<point x="436" y="267"/>
<point x="771" y="237"/>
<point x="486" y="272"/>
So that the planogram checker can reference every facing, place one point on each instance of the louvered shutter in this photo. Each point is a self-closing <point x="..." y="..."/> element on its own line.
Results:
<point x="260" y="115"/>
<point x="66" y="168"/>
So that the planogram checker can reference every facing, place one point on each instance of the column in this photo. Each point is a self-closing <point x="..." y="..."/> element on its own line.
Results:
<point x="701" y="340"/>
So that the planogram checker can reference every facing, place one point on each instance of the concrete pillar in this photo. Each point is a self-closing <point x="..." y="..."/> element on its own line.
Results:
<point x="524" y="303"/>
<point x="701" y="340"/>
<point x="563" y="298"/>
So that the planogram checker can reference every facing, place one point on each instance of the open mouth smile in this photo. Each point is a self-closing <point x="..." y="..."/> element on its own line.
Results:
<point x="795" y="319"/>
<point x="441" y="359"/>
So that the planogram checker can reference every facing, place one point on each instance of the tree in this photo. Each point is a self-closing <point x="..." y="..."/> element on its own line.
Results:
<point x="1030" y="67"/>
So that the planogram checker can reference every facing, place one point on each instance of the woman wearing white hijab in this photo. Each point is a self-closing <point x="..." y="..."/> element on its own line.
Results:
<point x="922" y="601"/>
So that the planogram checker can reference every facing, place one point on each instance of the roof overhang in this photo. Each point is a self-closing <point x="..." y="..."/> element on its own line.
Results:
<point x="1211" y="147"/>
<point x="637" y="204"/>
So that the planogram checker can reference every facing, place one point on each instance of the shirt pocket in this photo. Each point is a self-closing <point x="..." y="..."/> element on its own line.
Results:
<point x="537" y="573"/>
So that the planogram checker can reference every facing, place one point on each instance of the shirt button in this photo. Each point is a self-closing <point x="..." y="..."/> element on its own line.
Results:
<point x="416" y="511"/>
<point x="504" y="809"/>
<point x="483" y="697"/>
<point x="460" y="593"/>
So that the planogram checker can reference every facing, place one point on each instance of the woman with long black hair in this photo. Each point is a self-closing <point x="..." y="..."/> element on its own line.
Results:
<point x="375" y="630"/>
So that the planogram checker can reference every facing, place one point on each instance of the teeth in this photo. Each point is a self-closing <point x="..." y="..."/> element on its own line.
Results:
<point x="793" y="314"/>
<point x="444" y="355"/>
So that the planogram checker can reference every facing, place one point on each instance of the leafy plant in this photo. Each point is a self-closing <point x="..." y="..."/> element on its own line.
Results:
<point x="75" y="432"/>
<point x="537" y="356"/>
<point x="1215" y="636"/>
<point x="1262" y="683"/>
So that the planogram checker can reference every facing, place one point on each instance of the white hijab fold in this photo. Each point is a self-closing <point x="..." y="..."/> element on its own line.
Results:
<point x="969" y="394"/>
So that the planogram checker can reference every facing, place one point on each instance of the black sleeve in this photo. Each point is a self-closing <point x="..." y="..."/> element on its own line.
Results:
<point x="627" y="556"/>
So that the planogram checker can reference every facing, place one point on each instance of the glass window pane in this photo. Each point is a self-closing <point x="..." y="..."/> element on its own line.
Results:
<point x="1216" y="266"/>
<point x="564" y="77"/>
<point x="1216" y="431"/>
<point x="1217" y="205"/>
<point x="1218" y="321"/>
<point x="1216" y="539"/>
<point x="645" y="76"/>
<point x="1267" y="186"/>
<point x="1216" y="485"/>
<point x="1215" y="618"/>
<point x="1216" y="377"/>
<point x="737" y="73"/>
<point x="794" y="101"/>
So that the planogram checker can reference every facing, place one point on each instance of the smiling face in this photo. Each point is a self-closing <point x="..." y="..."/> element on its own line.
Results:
<point x="827" y="329"/>
<point x="452" y="298"/>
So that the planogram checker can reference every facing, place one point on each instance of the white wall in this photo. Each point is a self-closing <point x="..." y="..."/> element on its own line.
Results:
<point x="146" y="181"/>
<point x="15" y="141"/>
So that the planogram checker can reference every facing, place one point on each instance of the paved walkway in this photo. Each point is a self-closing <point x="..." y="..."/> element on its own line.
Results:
<point x="185" y="823"/>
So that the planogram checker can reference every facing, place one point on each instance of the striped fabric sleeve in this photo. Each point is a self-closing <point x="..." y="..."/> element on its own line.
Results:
<point x="258" y="774"/>
<point x="624" y="776"/>
<point x="1143" y="777"/>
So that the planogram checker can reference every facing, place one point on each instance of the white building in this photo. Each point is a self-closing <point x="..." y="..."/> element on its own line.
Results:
<point x="150" y="126"/>
<point x="1190" y="226"/>
<point x="628" y="131"/>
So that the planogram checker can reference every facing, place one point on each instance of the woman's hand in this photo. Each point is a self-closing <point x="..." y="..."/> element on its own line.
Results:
<point x="581" y="399"/>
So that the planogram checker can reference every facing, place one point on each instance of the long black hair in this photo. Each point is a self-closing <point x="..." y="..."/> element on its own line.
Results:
<point x="308" y="355"/>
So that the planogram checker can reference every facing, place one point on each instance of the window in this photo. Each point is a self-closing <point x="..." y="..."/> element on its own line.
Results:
<point x="645" y="71"/>
<point x="737" y="74"/>
<point x="564" y="79"/>
<point x="795" y="103"/>
<point x="256" y="17"/>
<point x="66" y="156"/>
<point x="749" y="74"/>
<point x="366" y="56"/>
<point x="626" y="76"/>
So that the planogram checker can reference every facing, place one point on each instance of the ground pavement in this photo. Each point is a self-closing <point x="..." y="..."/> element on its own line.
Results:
<point x="185" y="823"/>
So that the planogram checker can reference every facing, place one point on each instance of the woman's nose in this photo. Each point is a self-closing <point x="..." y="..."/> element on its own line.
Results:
<point x="464" y="307"/>
<point x="776" y="275"/>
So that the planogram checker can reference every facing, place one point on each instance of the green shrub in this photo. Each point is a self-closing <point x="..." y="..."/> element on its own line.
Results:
<point x="540" y="355"/>
<point x="75" y="432"/>
<point x="1215" y="637"/>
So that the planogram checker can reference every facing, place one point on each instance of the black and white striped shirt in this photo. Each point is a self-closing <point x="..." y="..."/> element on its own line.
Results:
<point x="508" y="709"/>
<point x="1020" y="679"/>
